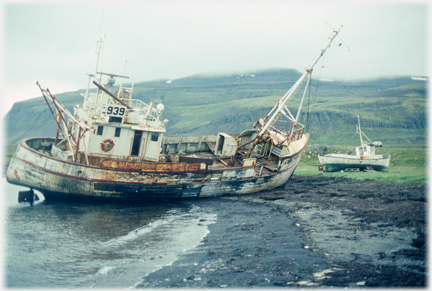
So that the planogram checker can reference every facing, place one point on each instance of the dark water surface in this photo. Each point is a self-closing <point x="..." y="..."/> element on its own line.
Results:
<point x="70" y="245"/>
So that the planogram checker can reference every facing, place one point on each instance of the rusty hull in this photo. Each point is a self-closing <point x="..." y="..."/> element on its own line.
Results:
<point x="57" y="179"/>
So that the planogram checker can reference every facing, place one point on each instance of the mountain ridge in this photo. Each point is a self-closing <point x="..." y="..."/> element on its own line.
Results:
<point x="392" y="109"/>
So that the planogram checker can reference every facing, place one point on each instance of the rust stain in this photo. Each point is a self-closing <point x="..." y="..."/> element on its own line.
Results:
<point x="121" y="165"/>
<point x="149" y="167"/>
<point x="193" y="167"/>
<point x="133" y="166"/>
<point x="152" y="167"/>
<point x="179" y="167"/>
<point x="163" y="167"/>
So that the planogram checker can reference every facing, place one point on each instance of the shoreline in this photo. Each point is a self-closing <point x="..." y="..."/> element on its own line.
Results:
<point x="314" y="232"/>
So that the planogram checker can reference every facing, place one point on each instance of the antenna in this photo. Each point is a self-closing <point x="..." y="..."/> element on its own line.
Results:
<point x="328" y="24"/>
<point x="100" y="26"/>
<point x="99" y="43"/>
<point x="100" y="46"/>
<point x="124" y="70"/>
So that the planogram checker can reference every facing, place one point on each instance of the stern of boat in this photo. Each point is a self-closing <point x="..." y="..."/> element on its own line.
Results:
<point x="26" y="166"/>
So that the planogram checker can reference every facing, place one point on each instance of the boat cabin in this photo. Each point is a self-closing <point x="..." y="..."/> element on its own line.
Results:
<point x="367" y="151"/>
<point x="122" y="128"/>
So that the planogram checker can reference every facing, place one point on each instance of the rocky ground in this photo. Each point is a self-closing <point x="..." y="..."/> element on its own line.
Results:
<point x="315" y="232"/>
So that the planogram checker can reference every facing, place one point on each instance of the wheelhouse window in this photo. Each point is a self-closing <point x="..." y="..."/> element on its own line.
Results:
<point x="113" y="119"/>
<point x="117" y="132"/>
<point x="155" y="136"/>
<point x="100" y="130"/>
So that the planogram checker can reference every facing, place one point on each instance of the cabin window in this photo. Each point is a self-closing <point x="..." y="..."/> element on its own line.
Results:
<point x="154" y="136"/>
<point x="117" y="132"/>
<point x="115" y="119"/>
<point x="136" y="143"/>
<point x="100" y="130"/>
<point x="365" y="149"/>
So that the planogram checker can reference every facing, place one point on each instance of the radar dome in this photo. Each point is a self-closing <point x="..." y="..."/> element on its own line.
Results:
<point x="160" y="108"/>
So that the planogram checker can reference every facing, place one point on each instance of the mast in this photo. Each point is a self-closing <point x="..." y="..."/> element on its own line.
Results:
<point x="97" y="65"/>
<point x="99" y="47"/>
<point x="281" y="104"/>
<point x="100" y="42"/>
<point x="362" y="133"/>
<point x="294" y="88"/>
<point x="359" y="129"/>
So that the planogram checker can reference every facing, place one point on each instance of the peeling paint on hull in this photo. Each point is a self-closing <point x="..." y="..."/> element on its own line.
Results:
<point x="60" y="180"/>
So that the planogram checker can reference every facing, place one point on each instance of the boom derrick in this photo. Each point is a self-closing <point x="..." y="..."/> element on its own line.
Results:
<point x="266" y="125"/>
<point x="67" y="131"/>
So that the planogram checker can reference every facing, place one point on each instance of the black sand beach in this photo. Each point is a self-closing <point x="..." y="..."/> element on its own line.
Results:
<point x="315" y="232"/>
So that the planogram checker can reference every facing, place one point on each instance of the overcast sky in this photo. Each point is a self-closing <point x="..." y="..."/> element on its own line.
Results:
<point x="56" y="44"/>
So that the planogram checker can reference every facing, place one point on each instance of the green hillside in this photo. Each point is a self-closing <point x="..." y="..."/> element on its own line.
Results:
<point x="392" y="110"/>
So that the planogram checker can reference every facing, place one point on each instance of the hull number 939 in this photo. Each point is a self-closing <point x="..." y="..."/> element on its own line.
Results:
<point x="116" y="110"/>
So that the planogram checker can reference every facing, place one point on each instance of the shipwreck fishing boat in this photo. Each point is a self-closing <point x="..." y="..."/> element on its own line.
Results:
<point x="364" y="159"/>
<point x="112" y="148"/>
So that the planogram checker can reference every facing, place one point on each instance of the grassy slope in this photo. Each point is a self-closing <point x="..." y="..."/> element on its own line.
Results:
<point x="392" y="107"/>
<point x="397" y="106"/>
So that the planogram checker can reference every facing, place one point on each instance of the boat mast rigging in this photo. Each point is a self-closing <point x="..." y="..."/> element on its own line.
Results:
<point x="67" y="132"/>
<point x="359" y="131"/>
<point x="266" y="122"/>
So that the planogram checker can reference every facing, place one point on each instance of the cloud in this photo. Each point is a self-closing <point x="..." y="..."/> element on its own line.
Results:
<point x="56" y="43"/>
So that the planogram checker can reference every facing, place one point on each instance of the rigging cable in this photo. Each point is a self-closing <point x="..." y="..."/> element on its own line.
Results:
<point x="307" y="115"/>
<point x="311" y="112"/>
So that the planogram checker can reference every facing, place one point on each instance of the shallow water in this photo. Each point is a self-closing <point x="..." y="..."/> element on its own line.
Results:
<point x="72" y="245"/>
<point x="346" y="238"/>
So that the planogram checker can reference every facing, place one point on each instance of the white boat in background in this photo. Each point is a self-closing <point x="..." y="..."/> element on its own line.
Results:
<point x="364" y="159"/>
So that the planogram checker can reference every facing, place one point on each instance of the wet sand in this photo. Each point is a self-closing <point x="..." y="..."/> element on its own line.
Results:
<point x="314" y="232"/>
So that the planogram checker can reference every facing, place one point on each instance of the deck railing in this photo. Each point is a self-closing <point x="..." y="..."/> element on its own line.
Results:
<point x="285" y="127"/>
